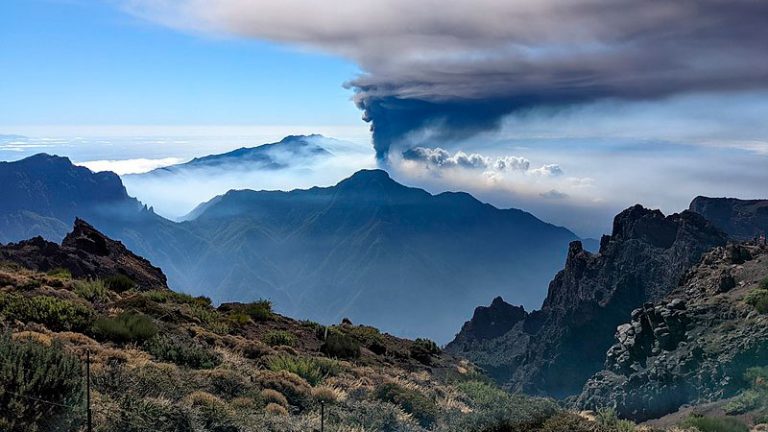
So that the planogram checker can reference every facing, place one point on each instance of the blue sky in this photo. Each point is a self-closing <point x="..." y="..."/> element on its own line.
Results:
<point x="88" y="62"/>
<point x="593" y="110"/>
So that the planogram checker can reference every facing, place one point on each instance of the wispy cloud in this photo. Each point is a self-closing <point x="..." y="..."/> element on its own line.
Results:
<point x="129" y="166"/>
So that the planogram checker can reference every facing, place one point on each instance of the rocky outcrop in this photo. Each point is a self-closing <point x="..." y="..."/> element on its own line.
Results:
<point x="741" y="219"/>
<point x="489" y="322"/>
<point x="553" y="351"/>
<point x="86" y="253"/>
<point x="692" y="346"/>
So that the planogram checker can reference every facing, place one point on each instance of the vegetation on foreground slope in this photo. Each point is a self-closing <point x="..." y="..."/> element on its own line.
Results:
<point x="162" y="361"/>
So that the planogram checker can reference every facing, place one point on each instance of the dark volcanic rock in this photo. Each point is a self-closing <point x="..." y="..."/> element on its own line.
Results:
<point x="555" y="350"/>
<point x="492" y="321"/>
<point x="86" y="253"/>
<point x="741" y="219"/>
<point x="691" y="347"/>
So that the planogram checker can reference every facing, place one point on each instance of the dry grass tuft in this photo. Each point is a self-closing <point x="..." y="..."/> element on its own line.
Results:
<point x="275" y="409"/>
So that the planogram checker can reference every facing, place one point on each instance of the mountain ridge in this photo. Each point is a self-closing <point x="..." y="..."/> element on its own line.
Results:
<point x="334" y="252"/>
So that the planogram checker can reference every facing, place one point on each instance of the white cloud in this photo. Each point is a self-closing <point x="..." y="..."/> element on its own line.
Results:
<point x="129" y="166"/>
<point x="550" y="170"/>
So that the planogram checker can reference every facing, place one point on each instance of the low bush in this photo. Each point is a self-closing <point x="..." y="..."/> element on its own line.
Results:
<point x="55" y="313"/>
<point x="279" y="337"/>
<point x="341" y="345"/>
<point x="255" y="350"/>
<point x="260" y="310"/>
<point x="145" y="414"/>
<point x="183" y="352"/>
<point x="715" y="424"/>
<point x="493" y="409"/>
<point x="60" y="273"/>
<point x="423" y="350"/>
<point x="608" y="418"/>
<point x="764" y="284"/>
<point x="31" y="372"/>
<point x="91" y="289"/>
<point x="757" y="376"/>
<point x="423" y="409"/>
<point x="745" y="402"/>
<point x="238" y="319"/>
<point x="758" y="298"/>
<point x="290" y="385"/>
<point x="313" y="370"/>
<point x="273" y="396"/>
<point x="119" y="283"/>
<point x="568" y="422"/>
<point x="126" y="327"/>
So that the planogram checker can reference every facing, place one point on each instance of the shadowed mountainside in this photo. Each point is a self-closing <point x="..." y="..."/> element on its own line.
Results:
<point x="556" y="349"/>
<point x="741" y="219"/>
<point x="368" y="248"/>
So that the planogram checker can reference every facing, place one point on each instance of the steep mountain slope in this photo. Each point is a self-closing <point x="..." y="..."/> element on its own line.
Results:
<point x="741" y="219"/>
<point x="372" y="249"/>
<point x="42" y="195"/>
<point x="556" y="349"/>
<point x="368" y="248"/>
<point x="695" y="344"/>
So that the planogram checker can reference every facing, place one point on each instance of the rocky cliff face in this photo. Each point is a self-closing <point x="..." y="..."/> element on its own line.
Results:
<point x="741" y="219"/>
<point x="555" y="350"/>
<point x="692" y="346"/>
<point x="86" y="253"/>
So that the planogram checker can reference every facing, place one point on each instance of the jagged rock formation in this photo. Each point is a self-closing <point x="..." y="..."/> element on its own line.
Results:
<point x="492" y="321"/>
<point x="555" y="350"/>
<point x="86" y="253"/>
<point x="692" y="346"/>
<point x="741" y="219"/>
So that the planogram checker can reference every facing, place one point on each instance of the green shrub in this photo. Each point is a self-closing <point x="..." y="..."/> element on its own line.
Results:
<point x="312" y="369"/>
<point x="30" y="371"/>
<point x="715" y="424"/>
<point x="301" y="366"/>
<point x="91" y="289"/>
<point x="482" y="394"/>
<point x="149" y="414"/>
<point x="164" y="296"/>
<point x="757" y="376"/>
<point x="568" y="422"/>
<point x="764" y="284"/>
<point x="341" y="345"/>
<point x="183" y="352"/>
<point x="60" y="273"/>
<point x="55" y="313"/>
<point x="423" y="350"/>
<point x="746" y="401"/>
<point x="608" y="418"/>
<point x="423" y="409"/>
<point x="759" y="299"/>
<point x="279" y="337"/>
<point x="493" y="409"/>
<point x="127" y="327"/>
<point x="238" y="319"/>
<point x="260" y="310"/>
<point x="119" y="283"/>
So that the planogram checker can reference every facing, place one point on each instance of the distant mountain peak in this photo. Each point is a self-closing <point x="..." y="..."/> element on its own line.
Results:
<point x="277" y="155"/>
<point x="40" y="158"/>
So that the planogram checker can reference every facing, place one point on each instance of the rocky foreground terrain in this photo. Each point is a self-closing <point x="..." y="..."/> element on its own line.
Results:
<point x="553" y="351"/>
<point x="694" y="345"/>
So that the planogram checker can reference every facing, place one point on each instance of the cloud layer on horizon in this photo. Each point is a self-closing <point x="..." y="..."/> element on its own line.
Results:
<point x="459" y="67"/>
